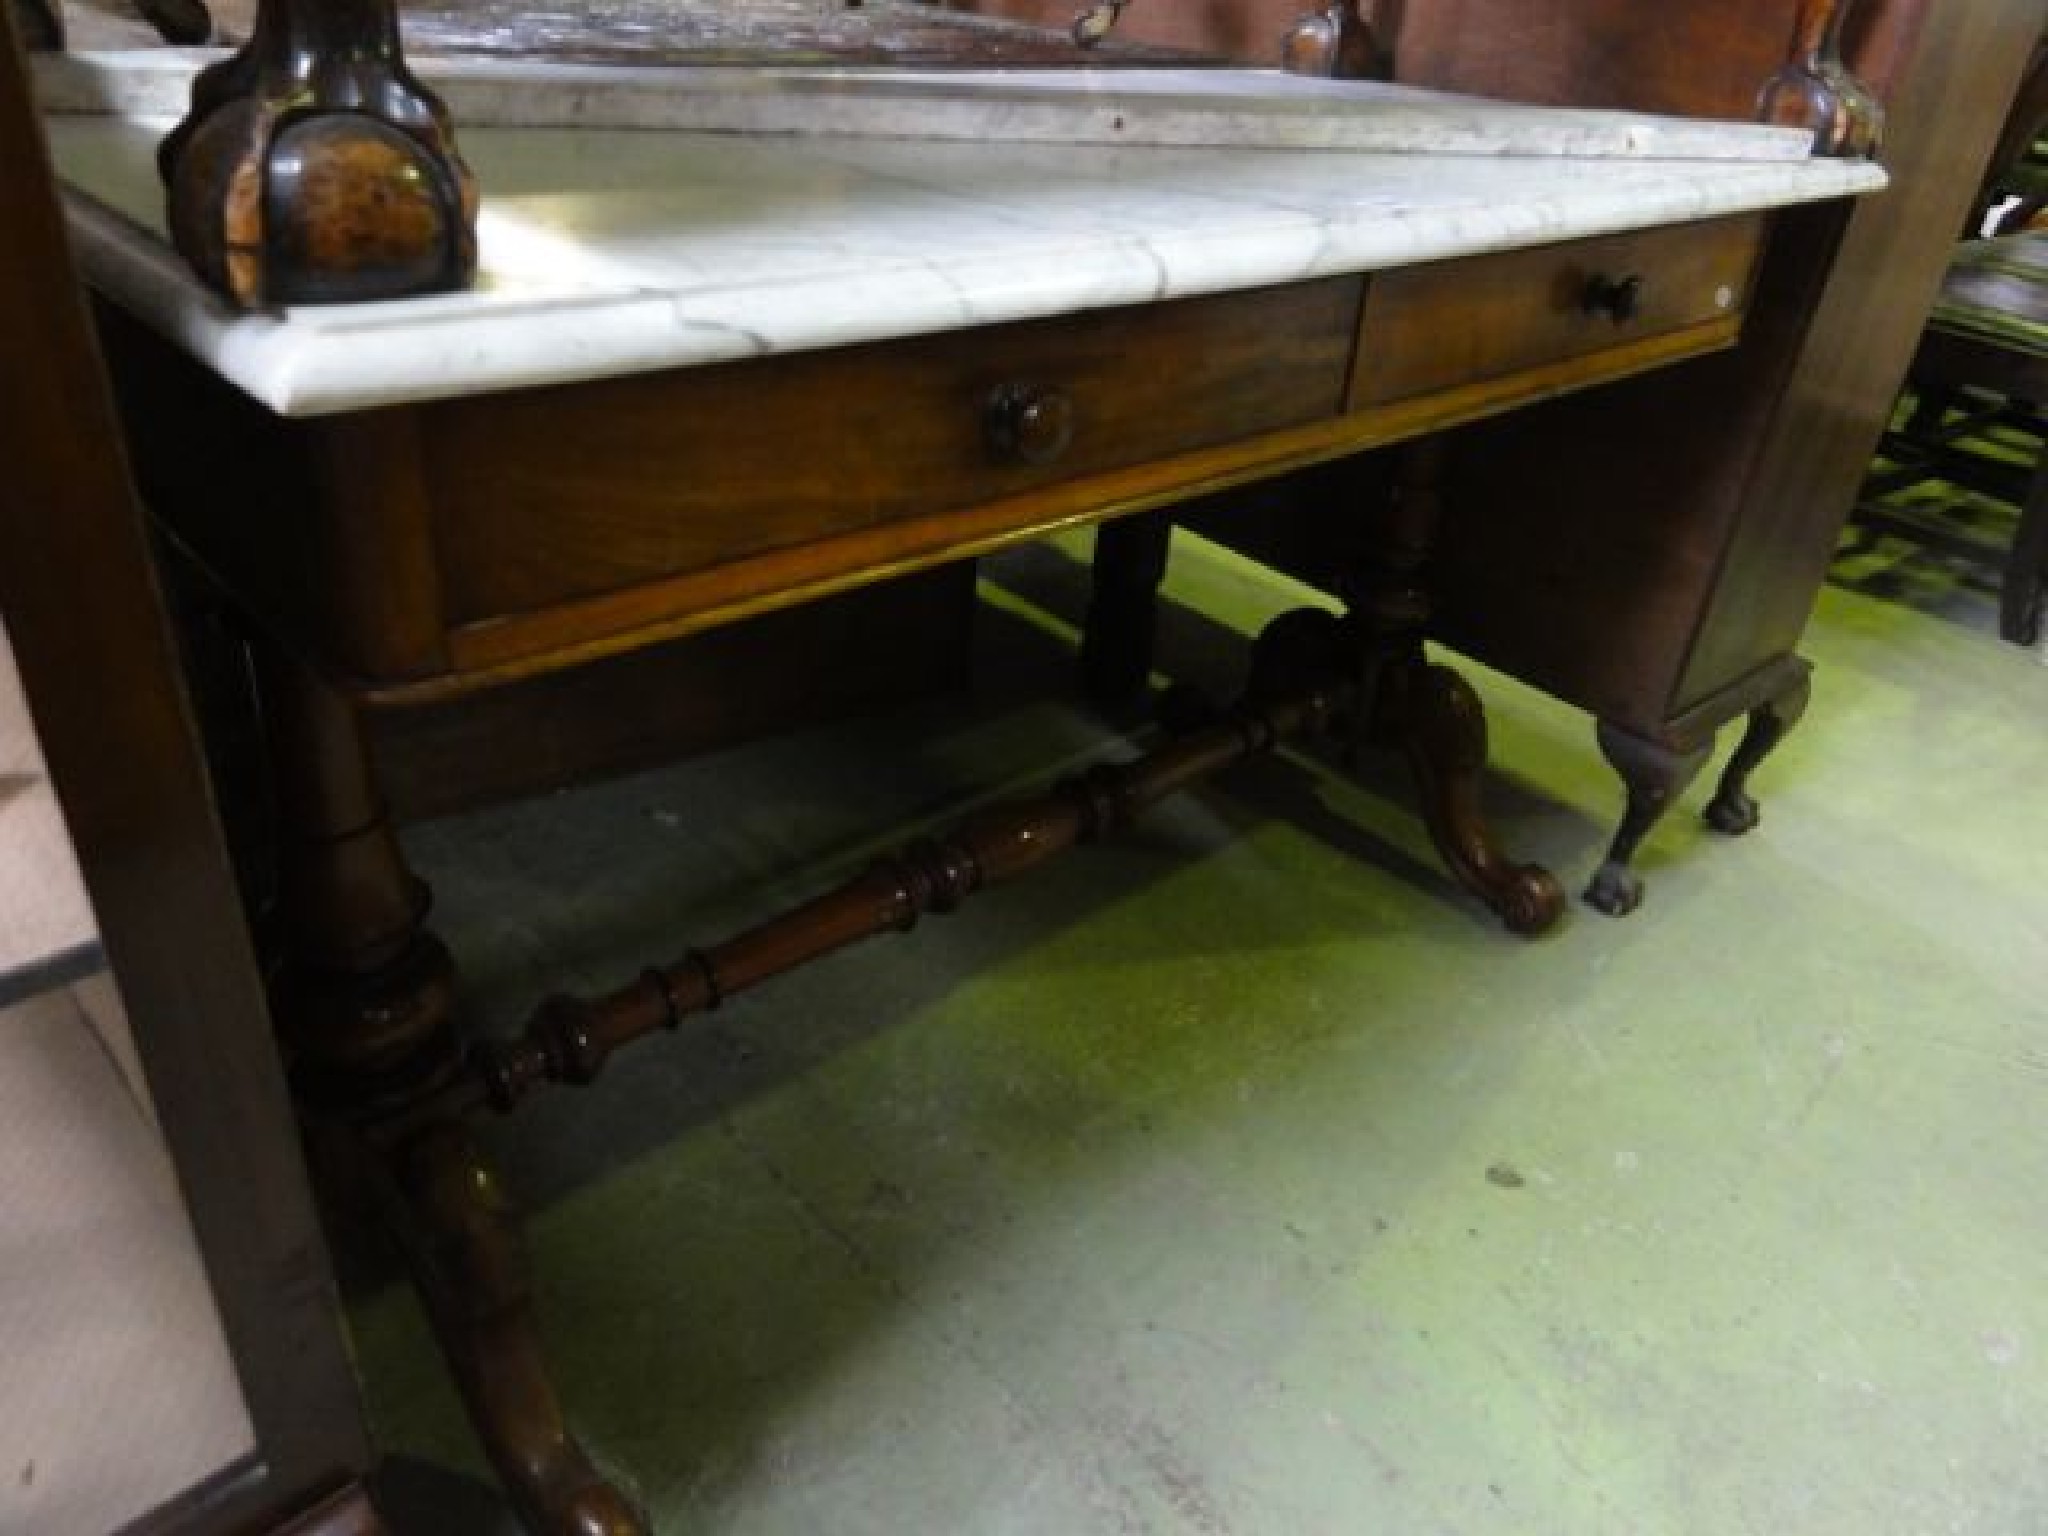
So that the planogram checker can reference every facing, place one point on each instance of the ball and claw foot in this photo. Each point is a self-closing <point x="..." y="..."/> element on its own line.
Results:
<point x="1615" y="890"/>
<point x="1732" y="813"/>
<point x="1527" y="898"/>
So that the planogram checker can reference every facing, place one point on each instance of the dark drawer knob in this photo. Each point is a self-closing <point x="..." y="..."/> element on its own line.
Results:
<point x="1028" y="423"/>
<point x="1620" y="299"/>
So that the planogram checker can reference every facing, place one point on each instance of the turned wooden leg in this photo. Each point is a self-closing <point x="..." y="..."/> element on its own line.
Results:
<point x="1123" y="606"/>
<point x="1654" y="776"/>
<point x="41" y="24"/>
<point x="1733" y="810"/>
<point x="313" y="168"/>
<point x="366" y="1003"/>
<point x="1435" y="718"/>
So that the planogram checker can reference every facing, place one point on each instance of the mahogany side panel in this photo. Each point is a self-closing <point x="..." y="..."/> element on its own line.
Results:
<point x="1863" y="332"/>
<point x="1640" y="553"/>
<point x="1584" y="536"/>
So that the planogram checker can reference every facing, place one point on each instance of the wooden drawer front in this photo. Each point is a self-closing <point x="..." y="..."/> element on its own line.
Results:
<point x="554" y="494"/>
<point x="1462" y="322"/>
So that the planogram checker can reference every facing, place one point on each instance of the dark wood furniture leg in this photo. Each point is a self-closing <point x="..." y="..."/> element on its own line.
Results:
<point x="1733" y="810"/>
<point x="313" y="168"/>
<point x="1654" y="776"/>
<point x="366" y="1002"/>
<point x="1123" y="605"/>
<point x="1405" y="703"/>
<point x="2023" y="590"/>
<point x="1430" y="713"/>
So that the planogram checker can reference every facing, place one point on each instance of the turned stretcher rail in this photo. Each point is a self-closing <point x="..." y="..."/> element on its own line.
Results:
<point x="570" y="1039"/>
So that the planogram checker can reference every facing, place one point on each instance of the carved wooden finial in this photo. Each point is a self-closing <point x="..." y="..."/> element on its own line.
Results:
<point x="314" y="169"/>
<point x="1816" y="91"/>
<point x="1341" y="42"/>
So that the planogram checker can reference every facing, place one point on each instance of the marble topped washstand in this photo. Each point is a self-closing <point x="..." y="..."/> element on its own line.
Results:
<point x="721" y="362"/>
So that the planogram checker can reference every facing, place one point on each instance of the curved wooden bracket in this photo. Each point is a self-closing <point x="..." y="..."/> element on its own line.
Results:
<point x="1815" y="89"/>
<point x="313" y="168"/>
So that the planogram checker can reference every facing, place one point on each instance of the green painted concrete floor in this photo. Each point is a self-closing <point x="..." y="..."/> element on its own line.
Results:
<point x="1243" y="1178"/>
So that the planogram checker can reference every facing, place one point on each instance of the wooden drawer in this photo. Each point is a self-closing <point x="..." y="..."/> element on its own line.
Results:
<point x="550" y="495"/>
<point x="1438" y="328"/>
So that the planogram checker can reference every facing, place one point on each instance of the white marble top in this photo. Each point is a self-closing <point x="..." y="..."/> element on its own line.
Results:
<point x="612" y="250"/>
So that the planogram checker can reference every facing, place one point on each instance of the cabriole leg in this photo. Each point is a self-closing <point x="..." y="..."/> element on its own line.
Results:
<point x="1733" y="810"/>
<point x="1433" y="715"/>
<point x="1654" y="776"/>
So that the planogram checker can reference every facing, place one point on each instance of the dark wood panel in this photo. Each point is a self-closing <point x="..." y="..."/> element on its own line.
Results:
<point x="1248" y="31"/>
<point x="864" y="650"/>
<point x="553" y="494"/>
<point x="1705" y="60"/>
<point x="1643" y="552"/>
<point x="1585" y="535"/>
<point x="321" y="535"/>
<point x="1864" y="329"/>
<point x="1441" y="326"/>
<point x="87" y="623"/>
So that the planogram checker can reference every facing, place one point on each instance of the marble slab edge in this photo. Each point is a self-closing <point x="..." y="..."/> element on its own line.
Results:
<point x="312" y="362"/>
<point x="1167" y="108"/>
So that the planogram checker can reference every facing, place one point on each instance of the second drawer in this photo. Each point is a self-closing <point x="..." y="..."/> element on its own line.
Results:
<point x="1434" y="328"/>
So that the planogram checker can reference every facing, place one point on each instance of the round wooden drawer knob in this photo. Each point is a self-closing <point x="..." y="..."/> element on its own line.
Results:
<point x="1027" y="423"/>
<point x="1620" y="299"/>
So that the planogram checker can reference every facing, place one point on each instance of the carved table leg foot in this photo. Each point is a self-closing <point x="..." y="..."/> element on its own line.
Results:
<point x="1733" y="810"/>
<point x="313" y="168"/>
<point x="366" y="1002"/>
<point x="1431" y="713"/>
<point x="41" y="24"/>
<point x="1654" y="776"/>
<point x="1117" y="636"/>
<point x="1435" y="717"/>
<point x="462" y="1235"/>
